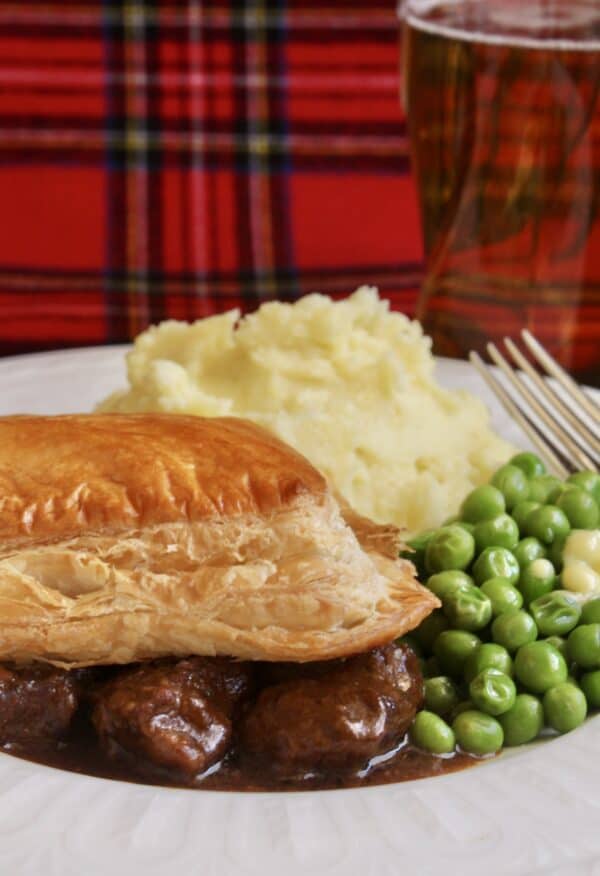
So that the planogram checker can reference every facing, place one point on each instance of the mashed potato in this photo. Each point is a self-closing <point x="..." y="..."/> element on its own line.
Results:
<point x="349" y="384"/>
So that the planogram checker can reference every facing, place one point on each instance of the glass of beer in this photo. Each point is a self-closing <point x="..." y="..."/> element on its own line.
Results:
<point x="503" y="106"/>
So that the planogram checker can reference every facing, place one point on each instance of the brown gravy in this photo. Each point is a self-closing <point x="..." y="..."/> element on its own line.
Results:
<point x="80" y="753"/>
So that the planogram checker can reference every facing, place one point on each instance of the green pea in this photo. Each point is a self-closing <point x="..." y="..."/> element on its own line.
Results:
<point x="565" y="707"/>
<point x="501" y="531"/>
<point x="590" y="612"/>
<point x="431" y="733"/>
<point x="523" y="722"/>
<point x="416" y="551"/>
<point x="583" y="646"/>
<point x="555" y="553"/>
<point x="468" y="609"/>
<point x="590" y="685"/>
<point x="555" y="614"/>
<point x="580" y="507"/>
<point x="547" y="524"/>
<point x="521" y="512"/>
<point x="560" y="644"/>
<point x="496" y="562"/>
<point x="544" y="489"/>
<point x="478" y="733"/>
<point x="482" y="503"/>
<point x="588" y="481"/>
<point x="470" y="527"/>
<point x="441" y="695"/>
<point x="539" y="666"/>
<point x="514" y="629"/>
<point x="537" y="579"/>
<point x="529" y="463"/>
<point x="419" y="542"/>
<point x="488" y="656"/>
<point x="557" y="493"/>
<point x="492" y="691"/>
<point x="445" y="583"/>
<point x="453" y="648"/>
<point x="512" y="483"/>
<point x="502" y="595"/>
<point x="452" y="547"/>
<point x="429" y="629"/>
<point x="528" y="550"/>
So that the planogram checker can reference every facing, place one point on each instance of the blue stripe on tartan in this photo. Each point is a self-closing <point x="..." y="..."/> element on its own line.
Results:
<point x="111" y="166"/>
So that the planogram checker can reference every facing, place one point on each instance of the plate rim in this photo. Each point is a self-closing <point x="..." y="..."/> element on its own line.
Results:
<point x="481" y="792"/>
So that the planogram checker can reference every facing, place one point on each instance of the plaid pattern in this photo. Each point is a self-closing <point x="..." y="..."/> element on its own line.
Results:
<point x="174" y="159"/>
<point x="512" y="200"/>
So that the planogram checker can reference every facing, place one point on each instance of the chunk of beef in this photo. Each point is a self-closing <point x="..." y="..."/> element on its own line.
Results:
<point x="36" y="702"/>
<point x="276" y="673"/>
<point x="175" y="714"/>
<point x="337" y="720"/>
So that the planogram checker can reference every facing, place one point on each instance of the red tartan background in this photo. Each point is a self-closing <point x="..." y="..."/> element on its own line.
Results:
<point x="172" y="159"/>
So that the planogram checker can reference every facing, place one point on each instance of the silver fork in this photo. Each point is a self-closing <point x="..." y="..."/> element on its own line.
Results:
<point x="560" y="419"/>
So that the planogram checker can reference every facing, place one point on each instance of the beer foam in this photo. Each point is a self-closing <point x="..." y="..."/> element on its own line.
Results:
<point x="499" y="18"/>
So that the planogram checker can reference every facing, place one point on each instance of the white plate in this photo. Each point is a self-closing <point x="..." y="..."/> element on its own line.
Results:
<point x="529" y="811"/>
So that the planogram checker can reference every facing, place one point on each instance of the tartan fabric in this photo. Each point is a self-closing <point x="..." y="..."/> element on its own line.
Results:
<point x="174" y="159"/>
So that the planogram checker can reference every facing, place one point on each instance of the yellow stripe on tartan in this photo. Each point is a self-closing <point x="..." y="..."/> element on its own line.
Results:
<point x="255" y="144"/>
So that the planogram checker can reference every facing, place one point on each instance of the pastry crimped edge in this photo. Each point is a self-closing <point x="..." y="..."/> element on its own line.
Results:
<point x="270" y="573"/>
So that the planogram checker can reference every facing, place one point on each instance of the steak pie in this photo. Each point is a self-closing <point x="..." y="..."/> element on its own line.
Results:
<point x="190" y="591"/>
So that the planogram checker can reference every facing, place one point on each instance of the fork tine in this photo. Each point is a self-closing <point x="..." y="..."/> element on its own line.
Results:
<point x="545" y="450"/>
<point x="550" y="394"/>
<point x="552" y="367"/>
<point x="540" y="412"/>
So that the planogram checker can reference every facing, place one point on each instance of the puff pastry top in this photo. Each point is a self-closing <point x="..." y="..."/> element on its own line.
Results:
<point x="61" y="476"/>
<point x="126" y="537"/>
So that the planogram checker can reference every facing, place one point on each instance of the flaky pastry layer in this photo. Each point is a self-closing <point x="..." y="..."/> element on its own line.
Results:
<point x="273" y="572"/>
<point x="294" y="587"/>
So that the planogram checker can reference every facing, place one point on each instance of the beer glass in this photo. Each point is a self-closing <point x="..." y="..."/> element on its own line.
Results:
<point x="503" y="106"/>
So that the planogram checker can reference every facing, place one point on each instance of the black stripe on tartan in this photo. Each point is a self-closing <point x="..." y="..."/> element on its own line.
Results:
<point x="389" y="164"/>
<point x="347" y="29"/>
<point x="281" y="168"/>
<point x="217" y="283"/>
<point x="100" y="126"/>
<point x="212" y="241"/>
<point x="154" y="158"/>
<point x="113" y="41"/>
<point x="188" y="160"/>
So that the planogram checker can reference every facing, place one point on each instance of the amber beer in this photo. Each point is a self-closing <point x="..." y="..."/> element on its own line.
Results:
<point x="503" y="103"/>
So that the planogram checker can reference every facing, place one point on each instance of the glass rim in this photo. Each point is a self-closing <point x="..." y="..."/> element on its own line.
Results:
<point x="414" y="13"/>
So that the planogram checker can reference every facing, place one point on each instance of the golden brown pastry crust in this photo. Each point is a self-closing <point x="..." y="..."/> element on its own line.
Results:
<point x="130" y="537"/>
<point x="60" y="476"/>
